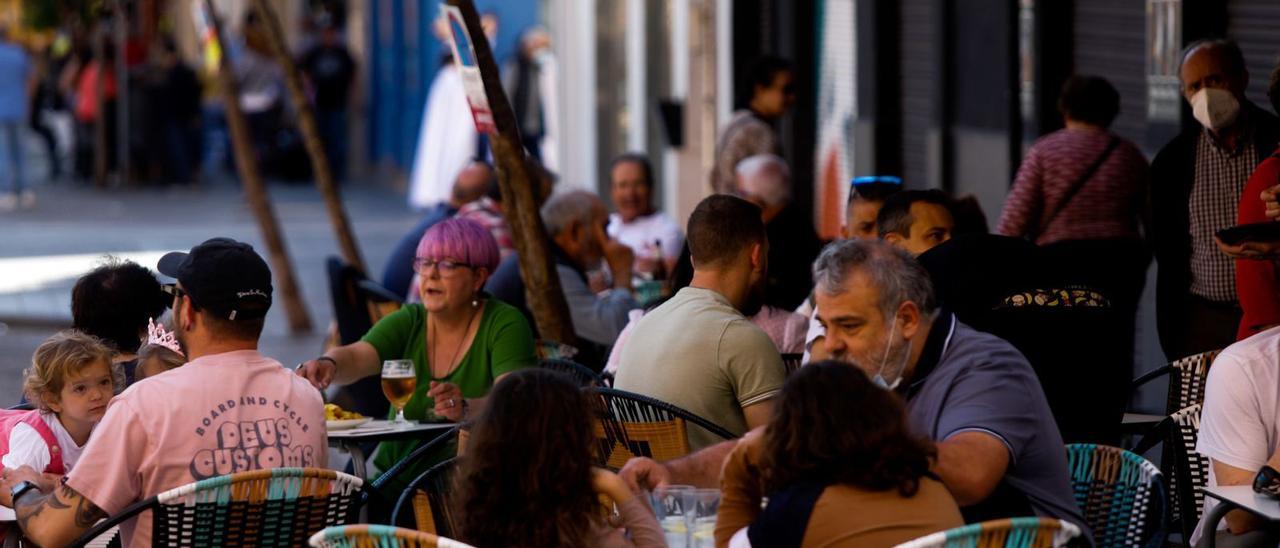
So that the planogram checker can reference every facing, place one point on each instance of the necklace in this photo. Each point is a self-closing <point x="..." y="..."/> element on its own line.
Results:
<point x="450" y="364"/>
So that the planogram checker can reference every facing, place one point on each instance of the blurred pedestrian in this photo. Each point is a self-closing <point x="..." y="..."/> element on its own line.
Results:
<point x="15" y="84"/>
<point x="1081" y="194"/>
<point x="44" y="97"/>
<point x="529" y="79"/>
<point x="330" y="71"/>
<point x="749" y="132"/>
<point x="175" y="118"/>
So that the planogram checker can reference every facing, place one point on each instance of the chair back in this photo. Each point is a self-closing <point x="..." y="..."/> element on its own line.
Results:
<point x="631" y="425"/>
<point x="1187" y="380"/>
<point x="430" y="497"/>
<point x="792" y="362"/>
<point x="381" y="536"/>
<point x="1190" y="469"/>
<point x="276" y="507"/>
<point x="1002" y="533"/>
<point x="1120" y="493"/>
<point x="581" y="374"/>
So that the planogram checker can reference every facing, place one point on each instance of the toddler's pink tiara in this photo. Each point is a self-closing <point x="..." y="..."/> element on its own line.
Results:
<point x="157" y="335"/>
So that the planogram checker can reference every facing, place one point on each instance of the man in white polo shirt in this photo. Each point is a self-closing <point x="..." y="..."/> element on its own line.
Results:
<point x="1239" y="431"/>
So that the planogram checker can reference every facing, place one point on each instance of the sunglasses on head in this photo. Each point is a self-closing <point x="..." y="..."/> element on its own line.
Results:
<point x="876" y="179"/>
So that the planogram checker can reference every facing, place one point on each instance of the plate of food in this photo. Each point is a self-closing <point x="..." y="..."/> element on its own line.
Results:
<point x="337" y="418"/>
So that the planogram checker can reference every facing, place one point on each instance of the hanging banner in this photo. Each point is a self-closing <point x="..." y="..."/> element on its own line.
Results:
<point x="464" y="57"/>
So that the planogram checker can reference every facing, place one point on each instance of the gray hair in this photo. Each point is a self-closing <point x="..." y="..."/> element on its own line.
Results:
<point x="897" y="275"/>
<point x="766" y="176"/>
<point x="566" y="208"/>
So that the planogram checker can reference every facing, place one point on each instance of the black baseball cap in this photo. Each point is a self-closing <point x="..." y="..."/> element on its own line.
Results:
<point x="223" y="276"/>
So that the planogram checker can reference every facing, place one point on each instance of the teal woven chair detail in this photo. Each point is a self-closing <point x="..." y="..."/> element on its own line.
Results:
<point x="1002" y="533"/>
<point x="1120" y="493"/>
<point x="379" y="536"/>
<point x="276" y="507"/>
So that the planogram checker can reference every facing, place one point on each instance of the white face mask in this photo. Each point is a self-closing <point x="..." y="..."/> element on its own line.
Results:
<point x="879" y="378"/>
<point x="1215" y="108"/>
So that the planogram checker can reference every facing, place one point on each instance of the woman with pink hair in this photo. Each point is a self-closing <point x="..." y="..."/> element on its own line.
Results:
<point x="460" y="339"/>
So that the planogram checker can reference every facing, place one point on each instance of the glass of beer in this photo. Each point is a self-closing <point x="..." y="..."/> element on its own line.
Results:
<point x="398" y="383"/>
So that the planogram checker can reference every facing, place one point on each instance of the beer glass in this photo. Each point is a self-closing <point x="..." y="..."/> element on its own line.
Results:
<point x="398" y="383"/>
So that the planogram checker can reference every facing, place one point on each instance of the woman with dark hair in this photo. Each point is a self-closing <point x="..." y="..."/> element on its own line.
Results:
<point x="838" y="466"/>
<point x="115" y="302"/>
<point x="527" y="477"/>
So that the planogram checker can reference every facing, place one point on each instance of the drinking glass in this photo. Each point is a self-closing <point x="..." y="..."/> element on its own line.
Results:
<point x="671" y="509"/>
<point x="399" y="380"/>
<point x="701" y="507"/>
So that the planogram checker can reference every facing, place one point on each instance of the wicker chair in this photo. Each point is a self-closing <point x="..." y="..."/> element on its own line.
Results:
<point x="1002" y="533"/>
<point x="581" y="374"/>
<point x="1190" y="469"/>
<point x="631" y="425"/>
<point x="429" y="496"/>
<point x="792" y="362"/>
<point x="1120" y="493"/>
<point x="382" y="536"/>
<point x="1186" y="380"/>
<point x="278" y="507"/>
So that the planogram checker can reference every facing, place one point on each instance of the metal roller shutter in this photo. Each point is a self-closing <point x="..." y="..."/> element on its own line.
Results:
<point x="1254" y="24"/>
<point x="1109" y="42"/>
<point x="919" y="78"/>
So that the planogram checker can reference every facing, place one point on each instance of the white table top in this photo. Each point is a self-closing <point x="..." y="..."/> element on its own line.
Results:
<point x="379" y="430"/>
<point x="1243" y="496"/>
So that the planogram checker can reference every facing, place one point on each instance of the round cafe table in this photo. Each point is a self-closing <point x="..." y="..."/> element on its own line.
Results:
<point x="377" y="431"/>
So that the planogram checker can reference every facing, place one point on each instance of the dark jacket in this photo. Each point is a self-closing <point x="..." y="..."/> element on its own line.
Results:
<point x="1172" y="174"/>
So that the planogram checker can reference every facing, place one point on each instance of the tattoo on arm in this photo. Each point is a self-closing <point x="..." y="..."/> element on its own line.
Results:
<point x="65" y="498"/>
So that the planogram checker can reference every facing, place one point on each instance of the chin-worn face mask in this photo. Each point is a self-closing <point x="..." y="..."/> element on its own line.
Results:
<point x="879" y="378"/>
<point x="1215" y="108"/>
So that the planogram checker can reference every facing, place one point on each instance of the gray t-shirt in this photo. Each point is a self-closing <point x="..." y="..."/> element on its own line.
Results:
<point x="699" y="353"/>
<point x="969" y="381"/>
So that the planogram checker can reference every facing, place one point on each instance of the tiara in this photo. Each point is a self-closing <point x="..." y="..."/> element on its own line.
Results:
<point x="157" y="335"/>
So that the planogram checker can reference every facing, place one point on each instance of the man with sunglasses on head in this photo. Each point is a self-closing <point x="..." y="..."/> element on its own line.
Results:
<point x="230" y="409"/>
<point x="866" y="196"/>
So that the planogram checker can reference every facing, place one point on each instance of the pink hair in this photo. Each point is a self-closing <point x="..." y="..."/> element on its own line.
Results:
<point x="461" y="240"/>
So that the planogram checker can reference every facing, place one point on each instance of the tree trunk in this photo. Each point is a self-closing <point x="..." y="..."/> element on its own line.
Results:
<point x="255" y="189"/>
<point x="519" y="197"/>
<point x="311" y="138"/>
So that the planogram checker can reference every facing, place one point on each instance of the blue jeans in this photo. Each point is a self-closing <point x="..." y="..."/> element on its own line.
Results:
<point x="11" y="154"/>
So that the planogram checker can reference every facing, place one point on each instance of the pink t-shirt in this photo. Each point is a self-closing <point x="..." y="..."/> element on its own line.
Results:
<point x="220" y="414"/>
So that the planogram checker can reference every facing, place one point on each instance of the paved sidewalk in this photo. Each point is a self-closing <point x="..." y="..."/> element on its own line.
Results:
<point x="44" y="250"/>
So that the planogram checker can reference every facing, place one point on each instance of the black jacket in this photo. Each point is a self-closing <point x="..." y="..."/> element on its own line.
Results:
<point x="1172" y="174"/>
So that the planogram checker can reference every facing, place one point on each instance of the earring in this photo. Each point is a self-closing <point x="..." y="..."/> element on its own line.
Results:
<point x="475" y="301"/>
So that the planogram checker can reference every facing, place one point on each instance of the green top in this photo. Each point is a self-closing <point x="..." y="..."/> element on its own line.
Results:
<point x="503" y="343"/>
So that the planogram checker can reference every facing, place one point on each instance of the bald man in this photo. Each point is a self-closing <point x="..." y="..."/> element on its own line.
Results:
<point x="1196" y="182"/>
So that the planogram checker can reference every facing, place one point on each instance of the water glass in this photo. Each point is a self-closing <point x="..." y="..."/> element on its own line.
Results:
<point x="671" y="507"/>
<point x="701" y="508"/>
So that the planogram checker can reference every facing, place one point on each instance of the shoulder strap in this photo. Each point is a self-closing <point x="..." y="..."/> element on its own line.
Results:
<point x="784" y="520"/>
<point x="1078" y="184"/>
<point x="32" y="419"/>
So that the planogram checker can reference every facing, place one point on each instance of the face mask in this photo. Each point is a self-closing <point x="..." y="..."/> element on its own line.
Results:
<point x="1215" y="108"/>
<point x="879" y="379"/>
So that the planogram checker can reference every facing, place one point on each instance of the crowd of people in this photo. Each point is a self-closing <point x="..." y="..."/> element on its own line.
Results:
<point x="943" y="366"/>
<point x="177" y="131"/>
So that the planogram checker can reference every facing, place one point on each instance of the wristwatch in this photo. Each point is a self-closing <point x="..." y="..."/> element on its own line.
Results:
<point x="1267" y="482"/>
<point x="21" y="489"/>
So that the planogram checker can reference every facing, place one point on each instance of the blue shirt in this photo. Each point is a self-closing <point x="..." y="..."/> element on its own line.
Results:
<point x="14" y="68"/>
<point x="969" y="381"/>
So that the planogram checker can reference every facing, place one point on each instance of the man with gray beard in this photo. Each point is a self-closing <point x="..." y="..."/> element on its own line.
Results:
<point x="999" y="451"/>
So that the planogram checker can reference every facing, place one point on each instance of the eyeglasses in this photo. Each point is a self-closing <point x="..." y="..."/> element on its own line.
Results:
<point x="446" y="266"/>
<point x="174" y="290"/>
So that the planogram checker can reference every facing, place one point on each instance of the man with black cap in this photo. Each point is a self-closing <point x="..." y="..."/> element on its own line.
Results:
<point x="229" y="409"/>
